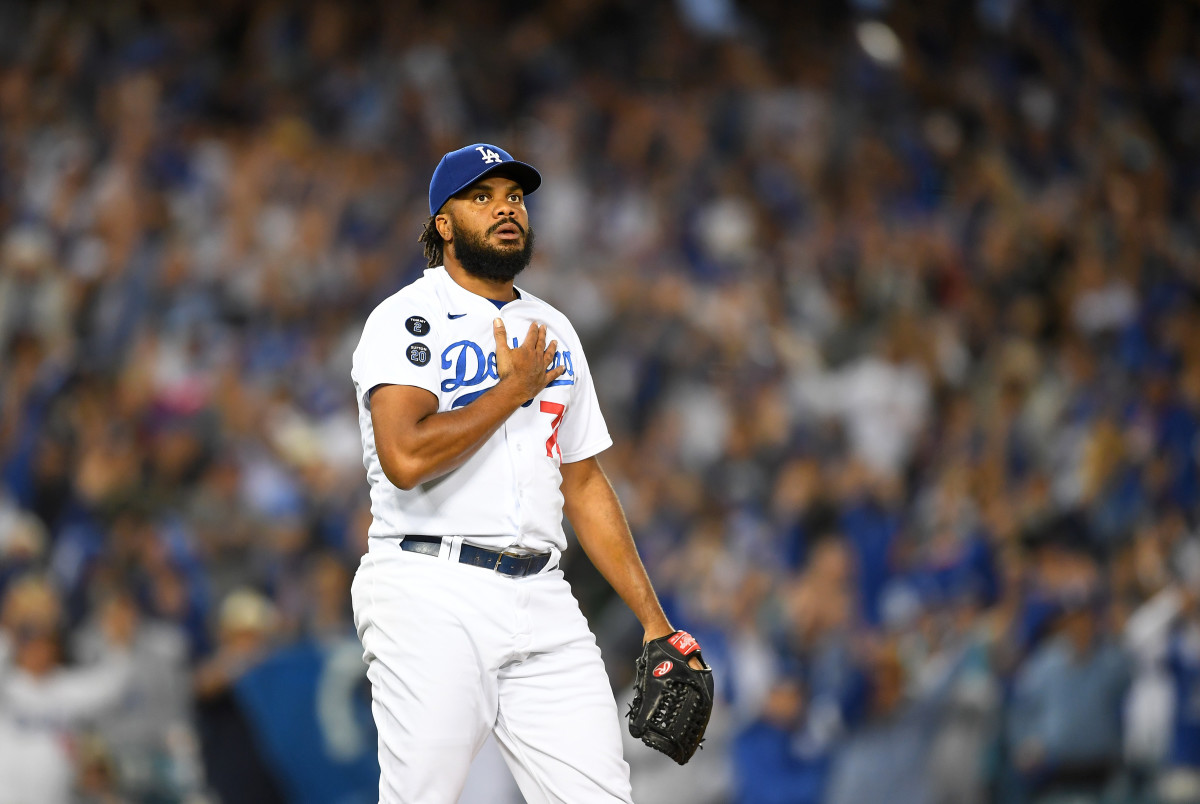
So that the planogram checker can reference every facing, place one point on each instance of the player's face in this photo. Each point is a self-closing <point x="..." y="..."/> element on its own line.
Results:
<point x="489" y="229"/>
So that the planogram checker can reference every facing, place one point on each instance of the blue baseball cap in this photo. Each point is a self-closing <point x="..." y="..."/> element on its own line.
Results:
<point x="460" y="169"/>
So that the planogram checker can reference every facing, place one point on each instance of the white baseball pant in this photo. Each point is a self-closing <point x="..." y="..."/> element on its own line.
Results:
<point x="455" y="652"/>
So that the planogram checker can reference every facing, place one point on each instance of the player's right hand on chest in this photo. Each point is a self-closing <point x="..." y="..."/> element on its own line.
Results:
<point x="524" y="370"/>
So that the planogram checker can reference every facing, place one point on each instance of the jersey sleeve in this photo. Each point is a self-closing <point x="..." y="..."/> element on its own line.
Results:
<point x="583" y="432"/>
<point x="390" y="354"/>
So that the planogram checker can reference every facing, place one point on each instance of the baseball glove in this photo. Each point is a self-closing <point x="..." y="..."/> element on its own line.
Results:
<point x="671" y="701"/>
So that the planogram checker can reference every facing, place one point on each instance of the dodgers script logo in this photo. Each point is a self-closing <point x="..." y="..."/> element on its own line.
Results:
<point x="472" y="367"/>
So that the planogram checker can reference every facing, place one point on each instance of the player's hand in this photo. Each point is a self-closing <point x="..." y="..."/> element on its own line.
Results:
<point x="525" y="369"/>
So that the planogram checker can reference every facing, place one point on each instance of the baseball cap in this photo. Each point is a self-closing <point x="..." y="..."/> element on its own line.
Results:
<point x="460" y="169"/>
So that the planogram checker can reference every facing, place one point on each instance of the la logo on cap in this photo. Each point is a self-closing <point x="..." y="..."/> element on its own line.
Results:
<point x="459" y="169"/>
<point x="489" y="155"/>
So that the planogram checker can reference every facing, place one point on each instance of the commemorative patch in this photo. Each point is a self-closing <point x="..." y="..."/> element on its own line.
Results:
<point x="417" y="325"/>
<point x="418" y="354"/>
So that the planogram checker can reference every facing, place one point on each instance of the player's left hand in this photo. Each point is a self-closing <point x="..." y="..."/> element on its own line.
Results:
<point x="695" y="663"/>
<point x="672" y="701"/>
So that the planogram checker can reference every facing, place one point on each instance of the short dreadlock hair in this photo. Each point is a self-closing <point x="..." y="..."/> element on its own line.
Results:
<point x="431" y="238"/>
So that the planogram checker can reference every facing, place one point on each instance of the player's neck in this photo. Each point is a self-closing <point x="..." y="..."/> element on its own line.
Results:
<point x="498" y="290"/>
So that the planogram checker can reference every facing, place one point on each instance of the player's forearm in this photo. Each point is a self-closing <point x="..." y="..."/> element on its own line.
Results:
<point x="441" y="442"/>
<point x="614" y="555"/>
<point x="595" y="514"/>
<point x="618" y="561"/>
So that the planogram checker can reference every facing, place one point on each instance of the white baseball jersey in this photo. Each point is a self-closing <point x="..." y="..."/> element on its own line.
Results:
<point x="435" y="334"/>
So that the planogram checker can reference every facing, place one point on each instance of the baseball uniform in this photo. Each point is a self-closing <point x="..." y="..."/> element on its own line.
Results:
<point x="454" y="650"/>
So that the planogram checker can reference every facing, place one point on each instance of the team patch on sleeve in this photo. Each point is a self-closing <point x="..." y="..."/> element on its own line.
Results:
<point x="417" y="326"/>
<point x="418" y="353"/>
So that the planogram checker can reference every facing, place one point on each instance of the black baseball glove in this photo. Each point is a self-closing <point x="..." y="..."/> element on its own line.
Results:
<point x="671" y="701"/>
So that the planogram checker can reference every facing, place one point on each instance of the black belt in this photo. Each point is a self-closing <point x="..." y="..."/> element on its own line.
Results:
<point x="514" y="565"/>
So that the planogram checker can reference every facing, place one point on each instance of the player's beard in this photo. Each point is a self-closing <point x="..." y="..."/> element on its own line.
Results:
<point x="480" y="258"/>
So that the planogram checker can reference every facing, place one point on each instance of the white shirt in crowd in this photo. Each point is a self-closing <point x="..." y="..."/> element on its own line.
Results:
<point x="40" y="718"/>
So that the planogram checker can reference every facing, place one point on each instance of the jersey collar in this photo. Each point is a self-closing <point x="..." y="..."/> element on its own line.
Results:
<point x="464" y="300"/>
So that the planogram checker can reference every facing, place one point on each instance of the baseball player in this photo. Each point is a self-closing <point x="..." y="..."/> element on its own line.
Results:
<point x="480" y="429"/>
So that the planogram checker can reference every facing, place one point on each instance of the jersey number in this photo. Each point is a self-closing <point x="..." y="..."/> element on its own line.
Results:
<point x="556" y="410"/>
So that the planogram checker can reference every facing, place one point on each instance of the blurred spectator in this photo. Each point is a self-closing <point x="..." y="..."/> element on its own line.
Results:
<point x="233" y="754"/>
<point x="148" y="743"/>
<point x="1180" y="778"/>
<point x="882" y="397"/>
<point x="888" y="755"/>
<point x="1164" y="630"/>
<point x="1065" y="727"/>
<point x="775" y="762"/>
<point x="46" y="705"/>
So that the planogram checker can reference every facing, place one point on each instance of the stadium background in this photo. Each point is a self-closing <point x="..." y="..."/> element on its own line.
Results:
<point x="892" y="308"/>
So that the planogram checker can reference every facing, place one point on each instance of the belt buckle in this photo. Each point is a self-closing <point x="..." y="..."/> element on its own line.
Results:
<point x="504" y="553"/>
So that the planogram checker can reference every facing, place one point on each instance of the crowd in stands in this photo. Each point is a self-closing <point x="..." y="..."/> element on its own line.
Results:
<point x="893" y="309"/>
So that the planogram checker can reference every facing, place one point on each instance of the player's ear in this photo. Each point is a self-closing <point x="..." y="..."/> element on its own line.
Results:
<point x="442" y="222"/>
